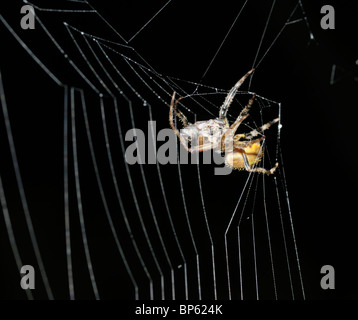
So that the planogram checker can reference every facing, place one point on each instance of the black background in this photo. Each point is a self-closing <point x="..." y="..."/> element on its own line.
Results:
<point x="319" y="121"/>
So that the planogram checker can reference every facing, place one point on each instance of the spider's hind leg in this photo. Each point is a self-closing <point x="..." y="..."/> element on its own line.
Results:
<point x="179" y="114"/>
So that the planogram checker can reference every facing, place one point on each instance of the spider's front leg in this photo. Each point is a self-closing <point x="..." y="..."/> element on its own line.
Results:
<point x="258" y="169"/>
<point x="256" y="132"/>
<point x="229" y="135"/>
<point x="246" y="154"/>
<point x="255" y="152"/>
<point x="230" y="96"/>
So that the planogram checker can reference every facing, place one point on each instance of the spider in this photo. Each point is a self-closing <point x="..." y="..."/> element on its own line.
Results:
<point x="218" y="135"/>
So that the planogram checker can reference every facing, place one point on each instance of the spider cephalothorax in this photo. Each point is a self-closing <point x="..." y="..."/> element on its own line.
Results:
<point x="218" y="135"/>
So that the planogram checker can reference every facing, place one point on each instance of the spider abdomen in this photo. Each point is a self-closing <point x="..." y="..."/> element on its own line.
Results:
<point x="204" y="133"/>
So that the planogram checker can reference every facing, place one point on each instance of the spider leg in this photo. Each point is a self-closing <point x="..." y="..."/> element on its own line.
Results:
<point x="201" y="147"/>
<point x="230" y="133"/>
<point x="258" y="169"/>
<point x="228" y="137"/>
<point x="230" y="96"/>
<point x="182" y="117"/>
<point x="260" y="130"/>
<point x="178" y="113"/>
<point x="245" y="112"/>
<point x="173" y="106"/>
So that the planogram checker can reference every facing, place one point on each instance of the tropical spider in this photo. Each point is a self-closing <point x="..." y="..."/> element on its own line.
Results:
<point x="218" y="135"/>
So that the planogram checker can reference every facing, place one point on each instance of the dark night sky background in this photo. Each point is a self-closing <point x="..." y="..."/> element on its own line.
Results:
<point x="318" y="136"/>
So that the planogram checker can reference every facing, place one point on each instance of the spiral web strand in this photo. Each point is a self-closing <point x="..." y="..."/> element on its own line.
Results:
<point x="166" y="250"/>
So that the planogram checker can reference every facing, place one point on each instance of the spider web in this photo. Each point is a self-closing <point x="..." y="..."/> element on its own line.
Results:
<point x="94" y="226"/>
